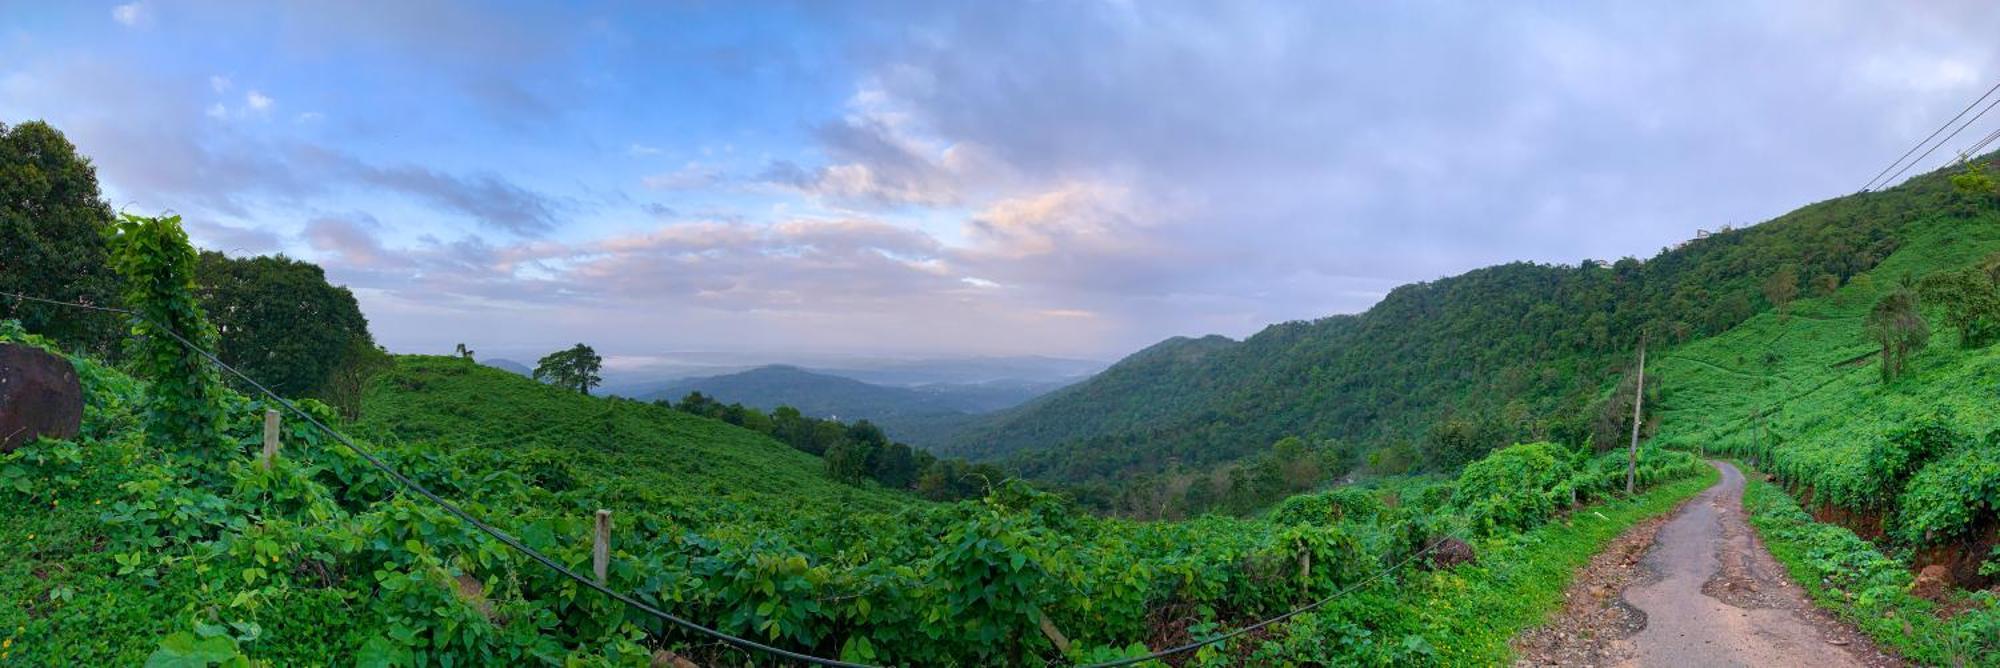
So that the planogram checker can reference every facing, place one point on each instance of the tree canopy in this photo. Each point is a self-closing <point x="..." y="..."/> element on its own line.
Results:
<point x="284" y="324"/>
<point x="572" y="368"/>
<point x="52" y="243"/>
<point x="1898" y="325"/>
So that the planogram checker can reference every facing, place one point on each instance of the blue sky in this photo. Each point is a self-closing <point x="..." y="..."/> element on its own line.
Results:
<point x="1063" y="178"/>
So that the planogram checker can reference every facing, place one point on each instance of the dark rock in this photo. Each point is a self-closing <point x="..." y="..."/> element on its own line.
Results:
<point x="39" y="396"/>
<point x="1451" y="552"/>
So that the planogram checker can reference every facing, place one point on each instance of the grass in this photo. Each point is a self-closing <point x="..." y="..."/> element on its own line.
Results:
<point x="1466" y="616"/>
<point x="1852" y="578"/>
<point x="642" y="457"/>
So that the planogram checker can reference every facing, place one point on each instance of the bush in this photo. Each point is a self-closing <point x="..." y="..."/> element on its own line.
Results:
<point x="1516" y="488"/>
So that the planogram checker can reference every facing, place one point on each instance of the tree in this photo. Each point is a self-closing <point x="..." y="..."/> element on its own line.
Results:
<point x="1896" y="324"/>
<point x="1781" y="287"/>
<point x="1824" y="285"/>
<point x="1974" y="181"/>
<point x="283" y="324"/>
<point x="849" y="462"/>
<point x="896" y="466"/>
<point x="343" y="389"/>
<point x="574" y="368"/>
<point x="52" y="239"/>
<point x="463" y="352"/>
<point x="1969" y="302"/>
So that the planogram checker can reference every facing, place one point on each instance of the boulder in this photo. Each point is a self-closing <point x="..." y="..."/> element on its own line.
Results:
<point x="1933" y="582"/>
<point x="1451" y="552"/>
<point x="39" y="396"/>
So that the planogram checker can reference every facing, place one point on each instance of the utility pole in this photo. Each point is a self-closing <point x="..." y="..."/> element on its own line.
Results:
<point x="1638" y="400"/>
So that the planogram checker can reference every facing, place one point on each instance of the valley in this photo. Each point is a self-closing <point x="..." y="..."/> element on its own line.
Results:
<point x="1469" y="472"/>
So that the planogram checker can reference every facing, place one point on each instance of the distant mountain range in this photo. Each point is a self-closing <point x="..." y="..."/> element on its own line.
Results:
<point x="509" y="365"/>
<point x="919" y="414"/>
<point x="641" y="376"/>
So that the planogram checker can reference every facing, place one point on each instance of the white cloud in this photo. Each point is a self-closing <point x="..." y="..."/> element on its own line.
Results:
<point x="309" y="117"/>
<point x="220" y="83"/>
<point x="641" y="150"/>
<point x="258" y="101"/>
<point x="129" y="14"/>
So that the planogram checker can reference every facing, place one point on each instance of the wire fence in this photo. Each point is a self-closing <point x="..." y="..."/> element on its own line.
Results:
<point x="497" y="534"/>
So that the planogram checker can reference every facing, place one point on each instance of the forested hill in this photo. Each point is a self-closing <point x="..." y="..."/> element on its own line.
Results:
<point x="1443" y="370"/>
<point x="924" y="415"/>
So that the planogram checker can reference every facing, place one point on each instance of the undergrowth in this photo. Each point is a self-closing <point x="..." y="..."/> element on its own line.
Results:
<point x="1851" y="577"/>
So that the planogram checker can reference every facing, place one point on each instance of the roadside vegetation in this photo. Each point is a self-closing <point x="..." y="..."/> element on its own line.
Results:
<point x="1871" y="405"/>
<point x="1857" y="581"/>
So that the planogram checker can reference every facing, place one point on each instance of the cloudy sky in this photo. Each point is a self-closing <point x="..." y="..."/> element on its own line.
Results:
<point x="1069" y="178"/>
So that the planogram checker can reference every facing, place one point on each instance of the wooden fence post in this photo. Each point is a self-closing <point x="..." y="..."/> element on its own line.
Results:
<point x="600" y="549"/>
<point x="270" y="456"/>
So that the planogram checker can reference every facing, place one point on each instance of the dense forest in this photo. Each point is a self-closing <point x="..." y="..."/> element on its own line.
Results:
<point x="1440" y="372"/>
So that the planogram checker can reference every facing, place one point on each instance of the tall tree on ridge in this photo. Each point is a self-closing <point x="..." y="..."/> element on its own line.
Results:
<point x="573" y="368"/>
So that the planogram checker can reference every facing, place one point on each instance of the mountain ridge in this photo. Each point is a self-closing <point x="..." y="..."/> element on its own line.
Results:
<point x="1439" y="369"/>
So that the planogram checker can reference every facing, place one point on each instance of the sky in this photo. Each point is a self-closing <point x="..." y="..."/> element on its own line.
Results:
<point x="1064" y="178"/>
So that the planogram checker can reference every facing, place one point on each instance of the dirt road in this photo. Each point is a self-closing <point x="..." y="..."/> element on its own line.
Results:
<point x="1705" y="593"/>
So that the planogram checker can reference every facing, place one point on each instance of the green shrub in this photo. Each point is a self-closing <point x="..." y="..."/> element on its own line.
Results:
<point x="1946" y="499"/>
<point x="1515" y="488"/>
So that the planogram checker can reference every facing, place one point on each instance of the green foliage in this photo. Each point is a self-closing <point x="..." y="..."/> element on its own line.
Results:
<point x="1550" y="337"/>
<point x="1944" y="500"/>
<point x="52" y="224"/>
<point x="853" y="453"/>
<point x="573" y="368"/>
<point x="1969" y="299"/>
<point x="1515" y="488"/>
<point x="1974" y="182"/>
<point x="1781" y="287"/>
<point x="1897" y="325"/>
<point x="317" y="560"/>
<point x="283" y="324"/>
<point x="154" y="258"/>
<point x="1901" y="458"/>
<point x="1851" y="577"/>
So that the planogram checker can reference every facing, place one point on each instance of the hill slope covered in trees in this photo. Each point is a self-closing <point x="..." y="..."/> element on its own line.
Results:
<point x="1441" y="371"/>
<point x="923" y="415"/>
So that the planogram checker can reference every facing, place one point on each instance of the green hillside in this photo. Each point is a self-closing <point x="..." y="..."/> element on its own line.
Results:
<point x="189" y="554"/>
<point x="1907" y="471"/>
<point x="627" y="450"/>
<point x="1447" y="369"/>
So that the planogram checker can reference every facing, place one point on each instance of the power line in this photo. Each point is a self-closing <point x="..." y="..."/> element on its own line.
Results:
<point x="488" y="529"/>
<point x="1973" y="151"/>
<point x="1934" y="133"/>
<point x="1947" y="139"/>
<point x="636" y="604"/>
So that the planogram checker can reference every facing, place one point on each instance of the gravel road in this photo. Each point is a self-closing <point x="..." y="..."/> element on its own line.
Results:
<point x="1706" y="593"/>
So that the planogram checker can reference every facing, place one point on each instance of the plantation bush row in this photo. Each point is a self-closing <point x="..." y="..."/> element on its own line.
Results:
<point x="1930" y="481"/>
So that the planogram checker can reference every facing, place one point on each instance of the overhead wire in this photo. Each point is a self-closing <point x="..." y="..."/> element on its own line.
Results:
<point x="1946" y="140"/>
<point x="1934" y="133"/>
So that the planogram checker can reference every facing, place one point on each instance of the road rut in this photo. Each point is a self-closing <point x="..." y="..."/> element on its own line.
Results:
<point x="1706" y="593"/>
